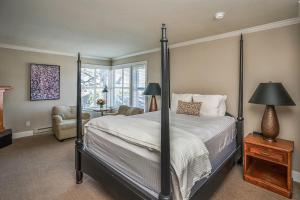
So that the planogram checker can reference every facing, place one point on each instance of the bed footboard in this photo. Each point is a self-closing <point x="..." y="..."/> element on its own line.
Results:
<point x="101" y="171"/>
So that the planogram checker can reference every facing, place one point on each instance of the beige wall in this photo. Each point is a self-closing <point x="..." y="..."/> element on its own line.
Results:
<point x="14" y="71"/>
<point x="212" y="68"/>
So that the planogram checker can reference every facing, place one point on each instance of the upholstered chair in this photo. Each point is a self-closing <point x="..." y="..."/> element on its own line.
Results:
<point x="125" y="110"/>
<point x="64" y="121"/>
<point x="134" y="111"/>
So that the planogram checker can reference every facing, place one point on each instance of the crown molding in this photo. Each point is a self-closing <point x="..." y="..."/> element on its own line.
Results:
<point x="264" y="27"/>
<point x="137" y="54"/>
<point x="23" y="48"/>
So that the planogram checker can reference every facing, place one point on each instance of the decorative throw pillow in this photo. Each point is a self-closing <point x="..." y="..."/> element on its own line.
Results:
<point x="189" y="108"/>
<point x="181" y="97"/>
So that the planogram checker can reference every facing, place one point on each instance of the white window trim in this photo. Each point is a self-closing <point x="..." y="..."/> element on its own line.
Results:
<point x="96" y="66"/>
<point x="130" y="65"/>
<point x="110" y="79"/>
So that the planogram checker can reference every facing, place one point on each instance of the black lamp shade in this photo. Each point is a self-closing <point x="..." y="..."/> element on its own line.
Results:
<point x="152" y="89"/>
<point x="271" y="94"/>
<point x="105" y="90"/>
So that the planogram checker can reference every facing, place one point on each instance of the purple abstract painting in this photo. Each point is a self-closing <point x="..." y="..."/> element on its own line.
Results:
<point x="44" y="82"/>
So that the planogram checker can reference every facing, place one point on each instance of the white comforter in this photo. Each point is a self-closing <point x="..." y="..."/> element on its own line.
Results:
<point x="189" y="155"/>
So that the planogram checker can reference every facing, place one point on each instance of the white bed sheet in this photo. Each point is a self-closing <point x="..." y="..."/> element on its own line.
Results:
<point x="142" y="165"/>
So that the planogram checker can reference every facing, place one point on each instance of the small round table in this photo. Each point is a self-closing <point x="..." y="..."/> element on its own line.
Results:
<point x="101" y="111"/>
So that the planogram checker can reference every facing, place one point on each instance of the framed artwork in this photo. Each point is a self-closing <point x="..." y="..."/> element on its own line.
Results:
<point x="44" y="82"/>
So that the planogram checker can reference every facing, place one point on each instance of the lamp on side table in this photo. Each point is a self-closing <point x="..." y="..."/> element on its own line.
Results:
<point x="271" y="94"/>
<point x="105" y="90"/>
<point x="153" y="89"/>
<point x="5" y="134"/>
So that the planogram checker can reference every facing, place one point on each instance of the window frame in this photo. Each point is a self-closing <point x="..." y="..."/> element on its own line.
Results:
<point x="131" y="87"/>
<point x="97" y="66"/>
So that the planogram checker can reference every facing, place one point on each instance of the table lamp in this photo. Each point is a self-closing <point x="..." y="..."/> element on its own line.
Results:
<point x="152" y="89"/>
<point x="105" y="90"/>
<point x="271" y="94"/>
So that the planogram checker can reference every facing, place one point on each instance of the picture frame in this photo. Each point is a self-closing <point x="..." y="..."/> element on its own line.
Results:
<point x="44" y="82"/>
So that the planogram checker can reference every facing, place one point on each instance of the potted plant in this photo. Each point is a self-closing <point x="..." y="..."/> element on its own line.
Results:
<point x="101" y="102"/>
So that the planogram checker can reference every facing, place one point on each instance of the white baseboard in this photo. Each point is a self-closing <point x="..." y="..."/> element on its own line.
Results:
<point x="22" y="134"/>
<point x="41" y="131"/>
<point x="296" y="176"/>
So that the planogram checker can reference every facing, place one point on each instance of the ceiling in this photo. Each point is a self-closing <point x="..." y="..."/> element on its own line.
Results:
<point x="113" y="28"/>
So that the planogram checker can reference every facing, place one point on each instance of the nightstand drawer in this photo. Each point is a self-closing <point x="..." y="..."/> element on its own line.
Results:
<point x="269" y="164"/>
<point x="267" y="153"/>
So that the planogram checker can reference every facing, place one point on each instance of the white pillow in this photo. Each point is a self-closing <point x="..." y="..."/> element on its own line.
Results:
<point x="177" y="97"/>
<point x="212" y="105"/>
<point x="222" y="107"/>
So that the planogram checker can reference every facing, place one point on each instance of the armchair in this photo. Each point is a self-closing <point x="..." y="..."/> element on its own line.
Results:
<point x="126" y="110"/>
<point x="64" y="121"/>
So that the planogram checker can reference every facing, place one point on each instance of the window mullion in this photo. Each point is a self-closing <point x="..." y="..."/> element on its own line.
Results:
<point x="131" y="87"/>
<point x="95" y="86"/>
<point x="122" y="86"/>
<point x="112" y="98"/>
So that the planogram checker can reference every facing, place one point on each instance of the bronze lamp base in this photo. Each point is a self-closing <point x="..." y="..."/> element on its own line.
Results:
<point x="270" y="124"/>
<point x="271" y="94"/>
<point x="153" y="104"/>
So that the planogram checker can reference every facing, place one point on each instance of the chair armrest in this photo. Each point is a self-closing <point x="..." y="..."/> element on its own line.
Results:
<point x="57" y="118"/>
<point x="86" y="115"/>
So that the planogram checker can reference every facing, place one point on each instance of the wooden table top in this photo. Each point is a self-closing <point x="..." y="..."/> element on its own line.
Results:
<point x="101" y="110"/>
<point x="280" y="144"/>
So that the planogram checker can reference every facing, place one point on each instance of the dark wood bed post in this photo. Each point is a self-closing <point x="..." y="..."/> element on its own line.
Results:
<point x="169" y="78"/>
<point x="240" y="119"/>
<point x="78" y="142"/>
<point x="165" y="193"/>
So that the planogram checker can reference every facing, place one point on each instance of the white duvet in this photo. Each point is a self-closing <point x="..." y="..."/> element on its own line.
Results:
<point x="189" y="155"/>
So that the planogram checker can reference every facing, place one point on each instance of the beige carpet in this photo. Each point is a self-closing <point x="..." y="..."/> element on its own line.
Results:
<point x="41" y="168"/>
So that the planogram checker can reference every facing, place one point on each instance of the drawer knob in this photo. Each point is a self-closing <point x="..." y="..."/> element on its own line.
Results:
<point x="265" y="153"/>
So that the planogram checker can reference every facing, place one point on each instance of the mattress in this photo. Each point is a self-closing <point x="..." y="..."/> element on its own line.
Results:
<point x="143" y="166"/>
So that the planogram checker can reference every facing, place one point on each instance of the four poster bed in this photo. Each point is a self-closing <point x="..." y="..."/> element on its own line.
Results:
<point x="157" y="171"/>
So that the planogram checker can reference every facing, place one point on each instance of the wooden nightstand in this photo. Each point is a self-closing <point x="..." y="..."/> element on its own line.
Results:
<point x="269" y="164"/>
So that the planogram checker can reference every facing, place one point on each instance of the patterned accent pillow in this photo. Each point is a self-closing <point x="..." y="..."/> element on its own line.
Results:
<point x="188" y="108"/>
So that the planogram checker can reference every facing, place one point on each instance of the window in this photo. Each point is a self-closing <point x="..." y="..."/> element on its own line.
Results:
<point x="125" y="83"/>
<point x="128" y="85"/>
<point x="93" y="80"/>
<point x="138" y="85"/>
<point x="121" y="86"/>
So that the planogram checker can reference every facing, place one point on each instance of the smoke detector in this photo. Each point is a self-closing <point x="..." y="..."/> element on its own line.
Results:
<point x="219" y="15"/>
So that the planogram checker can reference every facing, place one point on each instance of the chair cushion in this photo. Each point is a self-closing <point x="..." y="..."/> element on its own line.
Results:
<point x="66" y="112"/>
<point x="70" y="112"/>
<point x="67" y="124"/>
<point x="134" y="111"/>
<point x="123" y="110"/>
